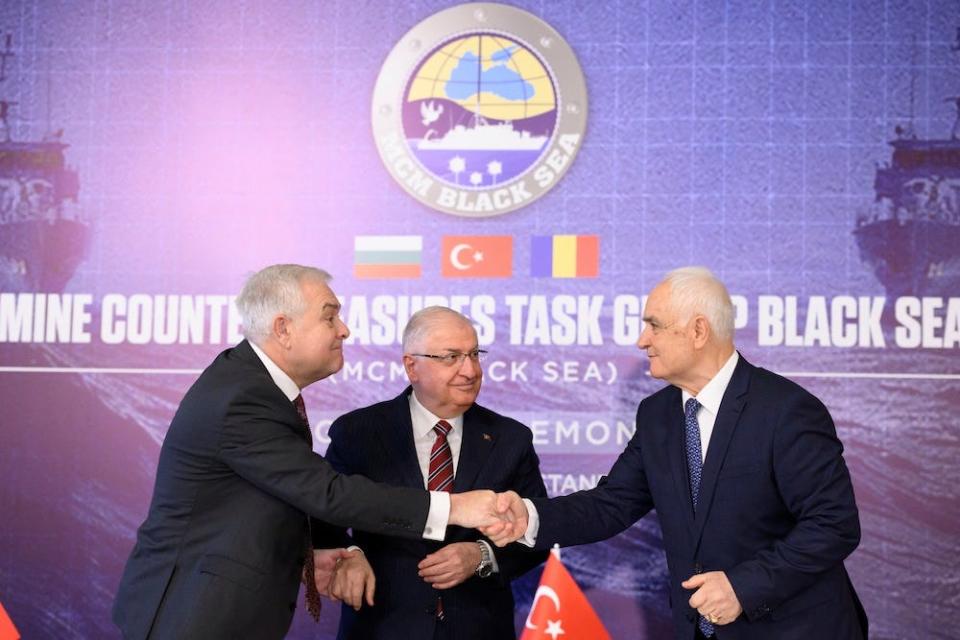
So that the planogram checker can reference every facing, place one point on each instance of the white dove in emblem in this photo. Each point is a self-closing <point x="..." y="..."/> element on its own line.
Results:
<point x="430" y="112"/>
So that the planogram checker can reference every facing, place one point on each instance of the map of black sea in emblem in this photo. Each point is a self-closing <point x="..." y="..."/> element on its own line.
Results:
<point x="479" y="110"/>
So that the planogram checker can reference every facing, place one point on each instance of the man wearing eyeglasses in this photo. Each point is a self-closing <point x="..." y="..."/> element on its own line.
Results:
<point x="433" y="436"/>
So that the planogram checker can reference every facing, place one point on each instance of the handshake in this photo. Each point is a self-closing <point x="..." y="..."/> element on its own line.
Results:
<point x="345" y="575"/>
<point x="502" y="517"/>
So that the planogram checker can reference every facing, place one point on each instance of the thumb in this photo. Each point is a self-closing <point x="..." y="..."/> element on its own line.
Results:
<point x="504" y="500"/>
<point x="694" y="581"/>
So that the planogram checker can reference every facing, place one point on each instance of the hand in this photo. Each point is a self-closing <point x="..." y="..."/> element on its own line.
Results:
<point x="474" y="509"/>
<point x="451" y="565"/>
<point x="514" y="518"/>
<point x="714" y="597"/>
<point x="324" y="565"/>
<point x="353" y="580"/>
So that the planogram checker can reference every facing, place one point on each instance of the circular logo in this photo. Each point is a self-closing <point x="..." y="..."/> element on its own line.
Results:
<point x="479" y="109"/>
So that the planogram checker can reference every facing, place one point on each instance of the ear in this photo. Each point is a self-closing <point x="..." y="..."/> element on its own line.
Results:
<point x="281" y="330"/>
<point x="701" y="332"/>
<point x="409" y="365"/>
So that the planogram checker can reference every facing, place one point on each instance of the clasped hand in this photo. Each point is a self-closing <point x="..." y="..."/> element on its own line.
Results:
<point x="343" y="575"/>
<point x="502" y="517"/>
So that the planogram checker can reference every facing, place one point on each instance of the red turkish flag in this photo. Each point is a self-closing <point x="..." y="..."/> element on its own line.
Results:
<point x="7" y="630"/>
<point x="476" y="257"/>
<point x="560" y="611"/>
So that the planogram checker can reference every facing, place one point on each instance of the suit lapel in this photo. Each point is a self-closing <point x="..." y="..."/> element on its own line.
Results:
<point x="475" y="446"/>
<point x="396" y="435"/>
<point x="730" y="408"/>
<point x="243" y="352"/>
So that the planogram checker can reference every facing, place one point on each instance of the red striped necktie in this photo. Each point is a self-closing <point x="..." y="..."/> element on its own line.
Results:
<point x="440" y="474"/>
<point x="440" y="471"/>
<point x="311" y="595"/>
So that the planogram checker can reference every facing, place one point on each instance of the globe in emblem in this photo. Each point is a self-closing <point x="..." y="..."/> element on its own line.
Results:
<point x="479" y="110"/>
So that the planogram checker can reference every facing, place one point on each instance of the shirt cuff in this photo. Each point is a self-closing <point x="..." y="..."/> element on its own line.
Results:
<point x="493" y="556"/>
<point x="533" y="524"/>
<point x="438" y="516"/>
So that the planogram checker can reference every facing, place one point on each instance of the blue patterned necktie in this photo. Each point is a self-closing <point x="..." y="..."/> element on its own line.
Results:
<point x="695" y="467"/>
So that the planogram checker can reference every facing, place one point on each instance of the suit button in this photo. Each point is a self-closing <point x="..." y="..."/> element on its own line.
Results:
<point x="698" y="568"/>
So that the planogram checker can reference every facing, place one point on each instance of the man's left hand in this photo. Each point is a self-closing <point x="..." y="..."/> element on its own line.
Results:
<point x="451" y="565"/>
<point x="324" y="565"/>
<point x="714" y="597"/>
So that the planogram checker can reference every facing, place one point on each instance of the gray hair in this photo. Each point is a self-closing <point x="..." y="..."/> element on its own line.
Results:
<point x="695" y="290"/>
<point x="424" y="320"/>
<point x="273" y="291"/>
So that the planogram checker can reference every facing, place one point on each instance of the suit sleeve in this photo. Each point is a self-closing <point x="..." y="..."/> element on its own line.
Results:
<point x="259" y="447"/>
<point x="620" y="498"/>
<point x="514" y="560"/>
<point x="326" y="535"/>
<point x="815" y="487"/>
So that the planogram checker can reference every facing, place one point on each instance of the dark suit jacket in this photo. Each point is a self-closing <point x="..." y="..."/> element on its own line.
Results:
<point x="776" y="508"/>
<point x="496" y="453"/>
<point x="221" y="551"/>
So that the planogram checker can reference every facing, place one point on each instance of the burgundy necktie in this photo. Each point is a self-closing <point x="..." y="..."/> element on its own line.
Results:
<point x="312" y="596"/>
<point x="440" y="473"/>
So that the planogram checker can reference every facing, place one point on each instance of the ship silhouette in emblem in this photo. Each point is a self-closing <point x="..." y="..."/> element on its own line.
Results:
<point x="910" y="237"/>
<point x="42" y="238"/>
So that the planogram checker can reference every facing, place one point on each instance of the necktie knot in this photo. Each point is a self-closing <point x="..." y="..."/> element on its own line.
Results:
<point x="301" y="410"/>
<point x="691" y="408"/>
<point x="442" y="428"/>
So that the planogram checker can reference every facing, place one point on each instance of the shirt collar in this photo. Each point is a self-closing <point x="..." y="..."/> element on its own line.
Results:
<point x="423" y="420"/>
<point x="281" y="379"/>
<point x="712" y="393"/>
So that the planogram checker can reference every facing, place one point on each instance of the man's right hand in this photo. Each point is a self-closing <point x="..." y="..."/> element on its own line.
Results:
<point x="474" y="509"/>
<point x="511" y="509"/>
<point x="502" y="518"/>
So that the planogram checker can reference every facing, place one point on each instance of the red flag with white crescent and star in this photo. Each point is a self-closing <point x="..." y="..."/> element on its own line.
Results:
<point x="560" y="611"/>
<point x="7" y="630"/>
<point x="476" y="257"/>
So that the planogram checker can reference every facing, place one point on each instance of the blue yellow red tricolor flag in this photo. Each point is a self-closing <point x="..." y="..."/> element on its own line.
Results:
<point x="565" y="256"/>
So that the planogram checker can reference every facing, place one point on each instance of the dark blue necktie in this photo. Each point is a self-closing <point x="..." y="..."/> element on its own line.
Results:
<point x="695" y="467"/>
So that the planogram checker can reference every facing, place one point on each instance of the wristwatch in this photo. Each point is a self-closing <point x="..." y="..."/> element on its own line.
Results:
<point x="485" y="568"/>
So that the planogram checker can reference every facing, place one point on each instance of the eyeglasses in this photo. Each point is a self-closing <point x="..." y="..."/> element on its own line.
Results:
<point x="454" y="357"/>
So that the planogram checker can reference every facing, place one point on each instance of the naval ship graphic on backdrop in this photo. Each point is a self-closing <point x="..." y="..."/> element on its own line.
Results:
<point x="42" y="239"/>
<point x="910" y="237"/>
<point x="479" y="110"/>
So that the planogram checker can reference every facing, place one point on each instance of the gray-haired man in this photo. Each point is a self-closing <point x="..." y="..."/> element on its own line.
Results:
<point x="221" y="552"/>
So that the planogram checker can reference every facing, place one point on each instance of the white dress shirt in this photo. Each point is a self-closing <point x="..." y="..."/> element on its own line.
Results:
<point x="709" y="399"/>
<point x="439" y="513"/>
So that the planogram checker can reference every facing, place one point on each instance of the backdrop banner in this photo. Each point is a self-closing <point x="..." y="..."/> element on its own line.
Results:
<point x="538" y="166"/>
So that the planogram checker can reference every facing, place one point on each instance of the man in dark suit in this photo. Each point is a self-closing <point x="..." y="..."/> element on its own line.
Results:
<point x="746" y="474"/>
<point x="221" y="552"/>
<point x="460" y="586"/>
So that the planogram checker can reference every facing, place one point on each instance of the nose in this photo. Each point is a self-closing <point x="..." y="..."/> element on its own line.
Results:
<point x="469" y="367"/>
<point x="343" y="331"/>
<point x="643" y="342"/>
